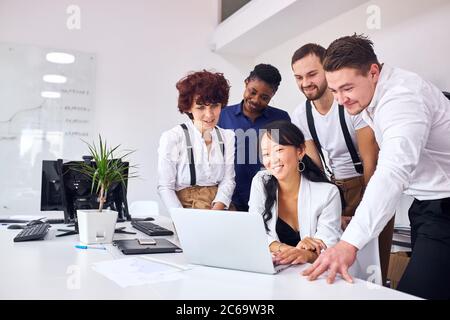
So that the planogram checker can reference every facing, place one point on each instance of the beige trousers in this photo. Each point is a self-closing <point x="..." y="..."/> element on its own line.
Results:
<point x="197" y="197"/>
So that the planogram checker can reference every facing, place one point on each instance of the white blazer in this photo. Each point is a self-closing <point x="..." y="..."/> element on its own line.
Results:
<point x="319" y="216"/>
<point x="319" y="209"/>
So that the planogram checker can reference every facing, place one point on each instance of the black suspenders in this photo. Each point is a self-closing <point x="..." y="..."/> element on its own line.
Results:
<point x="348" y="140"/>
<point x="191" y="151"/>
<point x="221" y="143"/>
<point x="312" y="130"/>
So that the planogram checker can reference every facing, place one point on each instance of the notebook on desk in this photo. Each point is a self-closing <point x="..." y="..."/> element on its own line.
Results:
<point x="132" y="246"/>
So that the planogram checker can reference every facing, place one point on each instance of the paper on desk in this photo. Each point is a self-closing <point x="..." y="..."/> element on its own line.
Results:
<point x="137" y="271"/>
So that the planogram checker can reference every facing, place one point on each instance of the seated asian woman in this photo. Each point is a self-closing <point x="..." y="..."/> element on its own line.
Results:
<point x="300" y="207"/>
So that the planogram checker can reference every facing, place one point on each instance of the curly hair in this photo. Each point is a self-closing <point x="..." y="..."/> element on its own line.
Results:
<point x="267" y="73"/>
<point x="207" y="87"/>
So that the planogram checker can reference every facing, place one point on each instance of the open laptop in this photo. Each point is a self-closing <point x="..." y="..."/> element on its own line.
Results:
<point x="224" y="239"/>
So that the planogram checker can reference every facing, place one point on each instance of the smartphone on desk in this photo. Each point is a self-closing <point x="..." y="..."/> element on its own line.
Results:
<point x="149" y="241"/>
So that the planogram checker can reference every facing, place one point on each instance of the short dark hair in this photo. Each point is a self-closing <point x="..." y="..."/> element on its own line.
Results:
<point x="354" y="51"/>
<point x="307" y="49"/>
<point x="267" y="73"/>
<point x="211" y="87"/>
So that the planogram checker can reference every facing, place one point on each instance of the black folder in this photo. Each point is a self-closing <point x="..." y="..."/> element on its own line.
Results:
<point x="133" y="246"/>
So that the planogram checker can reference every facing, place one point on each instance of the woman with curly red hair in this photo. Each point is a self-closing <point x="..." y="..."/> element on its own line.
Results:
<point x="196" y="158"/>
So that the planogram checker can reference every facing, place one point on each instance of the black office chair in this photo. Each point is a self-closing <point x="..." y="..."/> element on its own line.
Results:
<point x="447" y="94"/>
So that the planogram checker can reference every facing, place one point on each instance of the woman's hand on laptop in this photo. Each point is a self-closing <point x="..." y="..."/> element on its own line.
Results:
<point x="312" y="244"/>
<point x="293" y="255"/>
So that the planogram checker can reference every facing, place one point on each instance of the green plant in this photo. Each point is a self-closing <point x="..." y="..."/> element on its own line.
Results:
<point x="107" y="170"/>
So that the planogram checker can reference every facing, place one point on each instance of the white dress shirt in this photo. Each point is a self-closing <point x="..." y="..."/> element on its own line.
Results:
<point x="331" y="138"/>
<point x="319" y="209"/>
<point x="211" y="168"/>
<point x="411" y="121"/>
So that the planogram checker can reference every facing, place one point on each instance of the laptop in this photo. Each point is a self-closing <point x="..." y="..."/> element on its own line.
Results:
<point x="224" y="239"/>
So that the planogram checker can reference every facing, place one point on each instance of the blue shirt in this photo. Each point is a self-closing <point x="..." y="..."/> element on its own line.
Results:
<point x="247" y="160"/>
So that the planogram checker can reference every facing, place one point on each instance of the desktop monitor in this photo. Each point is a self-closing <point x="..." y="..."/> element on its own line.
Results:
<point x="51" y="193"/>
<point x="65" y="188"/>
<point x="447" y="94"/>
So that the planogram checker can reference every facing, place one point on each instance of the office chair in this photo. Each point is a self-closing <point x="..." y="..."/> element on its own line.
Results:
<point x="144" y="208"/>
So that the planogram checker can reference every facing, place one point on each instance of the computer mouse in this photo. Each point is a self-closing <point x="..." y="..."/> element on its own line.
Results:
<point x="15" y="226"/>
<point x="34" y="222"/>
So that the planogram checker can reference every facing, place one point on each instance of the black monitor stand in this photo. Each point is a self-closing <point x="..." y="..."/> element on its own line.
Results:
<point x="67" y="232"/>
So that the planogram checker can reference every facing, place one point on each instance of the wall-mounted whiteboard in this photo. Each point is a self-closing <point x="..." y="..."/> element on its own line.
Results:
<point x="35" y="127"/>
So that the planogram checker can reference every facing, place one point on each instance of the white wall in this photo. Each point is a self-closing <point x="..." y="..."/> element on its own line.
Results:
<point x="143" y="47"/>
<point x="413" y="36"/>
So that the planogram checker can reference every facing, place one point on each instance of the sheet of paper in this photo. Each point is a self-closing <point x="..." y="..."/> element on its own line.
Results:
<point x="137" y="271"/>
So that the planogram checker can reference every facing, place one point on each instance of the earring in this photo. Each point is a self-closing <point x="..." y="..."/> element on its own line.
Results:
<point x="301" y="166"/>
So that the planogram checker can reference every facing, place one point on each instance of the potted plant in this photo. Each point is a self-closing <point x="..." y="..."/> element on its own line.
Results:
<point x="107" y="170"/>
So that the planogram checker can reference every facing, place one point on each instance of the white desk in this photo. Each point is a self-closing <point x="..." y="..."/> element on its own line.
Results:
<point x="39" y="270"/>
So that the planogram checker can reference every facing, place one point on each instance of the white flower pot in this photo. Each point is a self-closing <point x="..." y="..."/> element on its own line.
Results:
<point x="96" y="227"/>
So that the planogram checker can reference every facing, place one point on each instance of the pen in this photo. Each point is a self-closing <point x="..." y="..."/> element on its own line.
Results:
<point x="89" y="247"/>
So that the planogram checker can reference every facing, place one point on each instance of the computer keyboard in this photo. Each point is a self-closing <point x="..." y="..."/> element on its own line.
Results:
<point x="35" y="232"/>
<point x="150" y="228"/>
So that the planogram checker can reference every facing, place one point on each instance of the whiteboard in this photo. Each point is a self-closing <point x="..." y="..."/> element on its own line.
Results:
<point x="35" y="128"/>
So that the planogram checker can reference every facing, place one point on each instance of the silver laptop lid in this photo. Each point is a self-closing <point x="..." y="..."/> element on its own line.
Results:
<point x="225" y="239"/>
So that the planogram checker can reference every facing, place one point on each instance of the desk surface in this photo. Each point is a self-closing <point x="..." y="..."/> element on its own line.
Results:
<point x="44" y="270"/>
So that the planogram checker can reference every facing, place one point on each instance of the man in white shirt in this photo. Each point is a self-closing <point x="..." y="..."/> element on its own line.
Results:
<point x="323" y="130"/>
<point x="310" y="77"/>
<point x="411" y="121"/>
